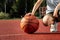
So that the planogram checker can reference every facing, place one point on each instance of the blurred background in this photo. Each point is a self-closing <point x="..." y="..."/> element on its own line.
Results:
<point x="18" y="8"/>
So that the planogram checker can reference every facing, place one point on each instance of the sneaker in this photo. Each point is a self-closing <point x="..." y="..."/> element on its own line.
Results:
<point x="53" y="27"/>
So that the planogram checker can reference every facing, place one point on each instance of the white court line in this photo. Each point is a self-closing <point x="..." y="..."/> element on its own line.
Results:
<point x="10" y="35"/>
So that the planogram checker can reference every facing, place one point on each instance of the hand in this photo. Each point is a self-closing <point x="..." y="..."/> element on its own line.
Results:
<point x="28" y="14"/>
<point x="55" y="15"/>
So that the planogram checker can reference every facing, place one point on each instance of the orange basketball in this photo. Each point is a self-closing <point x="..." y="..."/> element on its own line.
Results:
<point x="29" y="23"/>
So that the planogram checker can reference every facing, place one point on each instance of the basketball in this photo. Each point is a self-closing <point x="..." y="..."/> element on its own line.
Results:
<point x="29" y="23"/>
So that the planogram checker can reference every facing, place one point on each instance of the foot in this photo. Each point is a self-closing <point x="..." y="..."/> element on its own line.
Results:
<point x="53" y="27"/>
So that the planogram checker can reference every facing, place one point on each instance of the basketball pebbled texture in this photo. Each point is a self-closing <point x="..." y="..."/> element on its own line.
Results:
<point x="29" y="23"/>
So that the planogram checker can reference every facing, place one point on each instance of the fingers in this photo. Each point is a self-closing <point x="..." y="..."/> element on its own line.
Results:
<point x="29" y="14"/>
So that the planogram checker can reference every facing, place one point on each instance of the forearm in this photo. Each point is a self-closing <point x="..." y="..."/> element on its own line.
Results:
<point x="56" y="9"/>
<point x="37" y="4"/>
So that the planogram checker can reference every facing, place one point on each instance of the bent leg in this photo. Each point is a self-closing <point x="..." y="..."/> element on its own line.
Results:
<point x="48" y="19"/>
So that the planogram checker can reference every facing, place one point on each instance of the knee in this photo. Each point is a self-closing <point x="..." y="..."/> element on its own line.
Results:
<point x="48" y="20"/>
<point x="45" y="20"/>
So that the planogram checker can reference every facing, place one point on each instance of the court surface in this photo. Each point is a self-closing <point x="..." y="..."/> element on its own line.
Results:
<point x="10" y="30"/>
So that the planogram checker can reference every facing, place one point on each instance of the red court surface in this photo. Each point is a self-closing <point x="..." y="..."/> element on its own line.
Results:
<point x="10" y="30"/>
